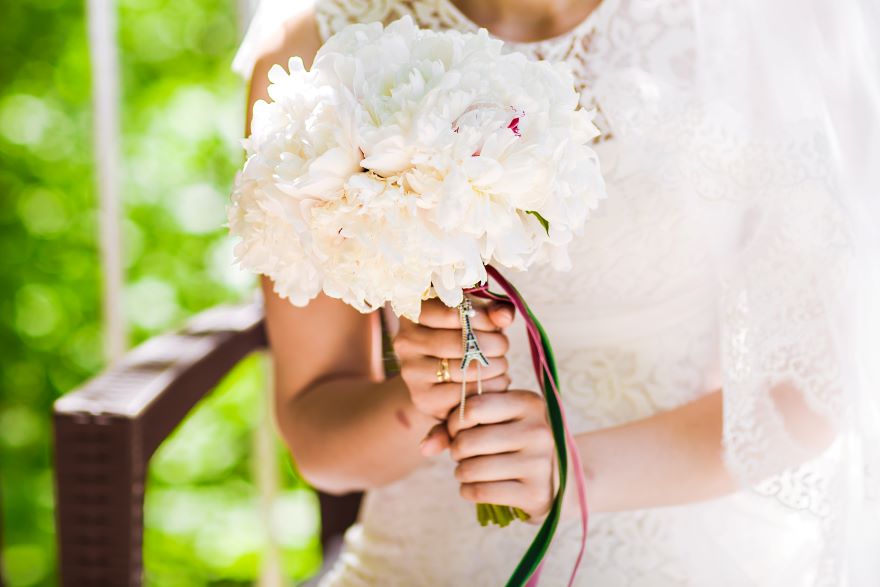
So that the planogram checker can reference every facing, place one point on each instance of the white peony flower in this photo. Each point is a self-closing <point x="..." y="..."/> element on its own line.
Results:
<point x="406" y="160"/>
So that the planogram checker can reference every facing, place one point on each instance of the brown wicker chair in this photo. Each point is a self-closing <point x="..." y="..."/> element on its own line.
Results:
<point x="107" y="430"/>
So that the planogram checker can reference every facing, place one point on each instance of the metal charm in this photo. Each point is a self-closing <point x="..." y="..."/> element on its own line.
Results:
<point x="471" y="352"/>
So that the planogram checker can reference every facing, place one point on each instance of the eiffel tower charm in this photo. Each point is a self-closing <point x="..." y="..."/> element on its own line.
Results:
<point x="471" y="352"/>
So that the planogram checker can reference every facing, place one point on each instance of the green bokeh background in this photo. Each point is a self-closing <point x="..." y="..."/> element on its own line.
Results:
<point x="182" y="116"/>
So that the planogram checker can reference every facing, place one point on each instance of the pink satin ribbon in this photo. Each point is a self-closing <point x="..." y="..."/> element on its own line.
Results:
<point x="542" y="366"/>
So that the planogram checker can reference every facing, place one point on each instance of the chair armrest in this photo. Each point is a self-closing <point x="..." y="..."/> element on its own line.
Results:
<point x="158" y="382"/>
<point x="106" y="431"/>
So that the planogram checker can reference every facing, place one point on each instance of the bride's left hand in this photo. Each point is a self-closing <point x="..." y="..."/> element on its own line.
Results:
<point x="505" y="451"/>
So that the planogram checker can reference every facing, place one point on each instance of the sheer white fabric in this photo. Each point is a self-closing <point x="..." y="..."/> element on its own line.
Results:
<point x="716" y="262"/>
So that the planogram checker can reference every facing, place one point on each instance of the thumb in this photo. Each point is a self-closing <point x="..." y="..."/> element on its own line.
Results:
<point x="501" y="313"/>
<point x="435" y="441"/>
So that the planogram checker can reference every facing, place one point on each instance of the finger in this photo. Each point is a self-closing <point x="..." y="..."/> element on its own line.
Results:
<point x="435" y="342"/>
<point x="501" y="313"/>
<point x="490" y="439"/>
<point x="502" y="492"/>
<point x="426" y="368"/>
<point x="529" y="497"/>
<point x="504" y="467"/>
<point x="435" y="441"/>
<point x="494" y="408"/>
<point x="436" y="314"/>
<point x="441" y="399"/>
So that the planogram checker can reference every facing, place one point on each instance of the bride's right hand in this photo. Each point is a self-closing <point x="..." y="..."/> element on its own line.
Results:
<point x="421" y="347"/>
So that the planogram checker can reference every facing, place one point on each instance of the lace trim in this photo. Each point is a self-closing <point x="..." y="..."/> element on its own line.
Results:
<point x="574" y="46"/>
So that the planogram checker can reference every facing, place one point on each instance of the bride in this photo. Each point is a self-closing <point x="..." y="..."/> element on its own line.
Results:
<point x="708" y="367"/>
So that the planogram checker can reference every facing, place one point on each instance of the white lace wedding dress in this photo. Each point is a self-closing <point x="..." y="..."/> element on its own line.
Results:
<point x="649" y="319"/>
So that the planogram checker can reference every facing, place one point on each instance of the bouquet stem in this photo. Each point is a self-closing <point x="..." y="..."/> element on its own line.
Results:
<point x="500" y="515"/>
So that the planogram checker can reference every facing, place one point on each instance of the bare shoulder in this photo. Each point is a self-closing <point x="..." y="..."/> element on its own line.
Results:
<point x="298" y="36"/>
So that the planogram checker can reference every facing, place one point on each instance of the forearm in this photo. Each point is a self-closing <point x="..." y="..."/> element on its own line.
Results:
<point x="350" y="434"/>
<point x="670" y="458"/>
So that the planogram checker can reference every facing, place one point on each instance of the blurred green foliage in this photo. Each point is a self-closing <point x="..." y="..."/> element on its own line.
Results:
<point x="182" y="116"/>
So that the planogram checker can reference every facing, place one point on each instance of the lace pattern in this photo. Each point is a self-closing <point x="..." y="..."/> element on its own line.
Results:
<point x="573" y="46"/>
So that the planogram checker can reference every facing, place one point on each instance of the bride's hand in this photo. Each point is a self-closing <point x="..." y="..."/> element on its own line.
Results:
<point x="421" y="347"/>
<point x="505" y="451"/>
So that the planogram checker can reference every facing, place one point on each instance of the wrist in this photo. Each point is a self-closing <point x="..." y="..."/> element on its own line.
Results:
<point x="571" y="501"/>
<point x="589" y="450"/>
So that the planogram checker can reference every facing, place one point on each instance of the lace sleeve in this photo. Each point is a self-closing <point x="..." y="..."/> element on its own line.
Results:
<point x="781" y="365"/>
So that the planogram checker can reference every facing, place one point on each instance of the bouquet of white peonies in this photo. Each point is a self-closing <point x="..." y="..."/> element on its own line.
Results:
<point x="402" y="165"/>
<point x="404" y="161"/>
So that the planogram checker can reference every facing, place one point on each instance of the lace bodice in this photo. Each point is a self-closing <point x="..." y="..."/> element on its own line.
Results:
<point x="649" y="319"/>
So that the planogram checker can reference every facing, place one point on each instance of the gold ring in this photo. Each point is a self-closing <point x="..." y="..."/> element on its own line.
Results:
<point x="443" y="374"/>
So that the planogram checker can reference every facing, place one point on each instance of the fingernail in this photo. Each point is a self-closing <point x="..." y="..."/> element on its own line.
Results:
<point x="506" y="314"/>
<point x="426" y="448"/>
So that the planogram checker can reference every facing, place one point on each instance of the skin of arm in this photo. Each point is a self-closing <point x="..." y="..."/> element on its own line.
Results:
<point x="671" y="458"/>
<point x="642" y="464"/>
